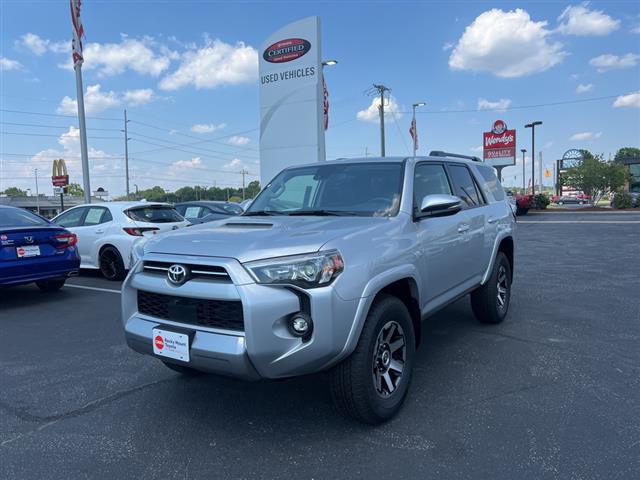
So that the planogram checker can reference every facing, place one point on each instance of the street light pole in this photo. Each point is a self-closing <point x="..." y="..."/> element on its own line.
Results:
<point x="37" y="194"/>
<point x="126" y="153"/>
<point x="524" y="187"/>
<point x="415" y="128"/>
<point x="532" y="126"/>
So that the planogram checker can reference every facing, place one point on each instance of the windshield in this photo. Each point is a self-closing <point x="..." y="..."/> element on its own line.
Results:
<point x="154" y="214"/>
<point x="10" y="217"/>
<point x="362" y="189"/>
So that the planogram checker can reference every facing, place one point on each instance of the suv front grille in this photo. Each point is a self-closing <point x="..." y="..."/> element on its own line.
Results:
<point x="224" y="314"/>
<point x="210" y="272"/>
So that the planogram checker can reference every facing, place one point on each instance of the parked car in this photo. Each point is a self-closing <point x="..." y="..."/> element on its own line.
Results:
<point x="32" y="249"/>
<point x="567" y="200"/>
<point x="332" y="268"/>
<point x="203" y="211"/>
<point x="106" y="231"/>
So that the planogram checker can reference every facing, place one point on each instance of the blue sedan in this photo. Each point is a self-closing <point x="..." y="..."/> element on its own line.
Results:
<point x="33" y="249"/>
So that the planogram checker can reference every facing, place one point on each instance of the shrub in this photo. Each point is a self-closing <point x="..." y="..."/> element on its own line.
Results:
<point x="622" y="200"/>
<point x="541" y="201"/>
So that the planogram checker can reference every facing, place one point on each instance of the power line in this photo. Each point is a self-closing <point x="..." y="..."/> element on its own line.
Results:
<point x="63" y="127"/>
<point x="56" y="115"/>
<point x="31" y="134"/>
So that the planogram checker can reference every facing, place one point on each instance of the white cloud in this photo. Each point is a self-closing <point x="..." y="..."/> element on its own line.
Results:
<point x="584" y="88"/>
<point x="635" y="29"/>
<point x="95" y="101"/>
<point x="630" y="100"/>
<point x="34" y="43"/>
<point x="138" y="97"/>
<point x="448" y="46"/>
<point x="215" y="64"/>
<point x="585" y="136"/>
<point x="477" y="149"/>
<point x="238" y="140"/>
<point x="8" y="64"/>
<point x="207" y="127"/>
<point x="610" y="62"/>
<point x="507" y="44"/>
<point x="187" y="164"/>
<point x="499" y="105"/>
<point x="579" y="20"/>
<point x="235" y="165"/>
<point x="371" y="113"/>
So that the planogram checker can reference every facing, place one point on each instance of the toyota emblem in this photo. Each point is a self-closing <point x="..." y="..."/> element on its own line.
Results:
<point x="177" y="274"/>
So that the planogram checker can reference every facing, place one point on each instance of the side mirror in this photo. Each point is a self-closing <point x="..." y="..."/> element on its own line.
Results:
<point x="440" y="205"/>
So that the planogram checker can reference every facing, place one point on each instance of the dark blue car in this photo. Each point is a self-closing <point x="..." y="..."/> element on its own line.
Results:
<point x="33" y="249"/>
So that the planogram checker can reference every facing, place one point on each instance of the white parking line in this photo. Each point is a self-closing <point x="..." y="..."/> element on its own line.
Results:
<point x="580" y="221"/>
<point x="109" y="290"/>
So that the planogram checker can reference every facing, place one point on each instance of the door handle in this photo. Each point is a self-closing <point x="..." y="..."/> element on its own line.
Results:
<point x="463" y="228"/>
<point x="99" y="231"/>
<point x="492" y="220"/>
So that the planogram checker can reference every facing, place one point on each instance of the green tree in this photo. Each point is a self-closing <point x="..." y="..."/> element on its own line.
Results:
<point x="595" y="177"/>
<point x="75" y="190"/>
<point x="252" y="189"/>
<point x="627" y="152"/>
<point x="15" y="192"/>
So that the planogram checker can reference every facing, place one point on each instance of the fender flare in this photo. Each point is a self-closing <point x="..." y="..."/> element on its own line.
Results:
<point x="494" y="254"/>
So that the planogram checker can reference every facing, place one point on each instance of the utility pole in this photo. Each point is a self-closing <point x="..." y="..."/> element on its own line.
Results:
<point x="243" y="172"/>
<point x="532" y="126"/>
<point x="126" y="152"/>
<point x="37" y="194"/>
<point x="540" y="172"/>
<point x="524" y="174"/>
<point x="381" y="89"/>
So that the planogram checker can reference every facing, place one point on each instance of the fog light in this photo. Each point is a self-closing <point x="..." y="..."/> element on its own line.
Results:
<point x="301" y="325"/>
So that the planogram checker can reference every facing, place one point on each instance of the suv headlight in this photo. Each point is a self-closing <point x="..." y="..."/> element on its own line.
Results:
<point x="307" y="271"/>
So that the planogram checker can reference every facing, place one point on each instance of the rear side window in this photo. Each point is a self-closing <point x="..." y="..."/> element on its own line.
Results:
<point x="71" y="218"/>
<point x="192" y="212"/>
<point x="464" y="186"/>
<point x="10" y="217"/>
<point x="96" y="216"/>
<point x="492" y="182"/>
<point x="154" y="214"/>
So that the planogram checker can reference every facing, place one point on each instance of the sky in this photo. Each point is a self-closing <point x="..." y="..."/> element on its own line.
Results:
<point x="186" y="72"/>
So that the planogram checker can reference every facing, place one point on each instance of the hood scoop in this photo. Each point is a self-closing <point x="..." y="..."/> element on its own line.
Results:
<point x="248" y="225"/>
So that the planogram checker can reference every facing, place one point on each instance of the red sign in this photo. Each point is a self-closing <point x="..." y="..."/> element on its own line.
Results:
<point x="499" y="145"/>
<point x="286" y="50"/>
<point x="159" y="342"/>
<point x="60" y="180"/>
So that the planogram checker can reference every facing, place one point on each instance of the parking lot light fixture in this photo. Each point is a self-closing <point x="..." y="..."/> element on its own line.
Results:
<point x="524" y="185"/>
<point x="329" y="63"/>
<point x="532" y="126"/>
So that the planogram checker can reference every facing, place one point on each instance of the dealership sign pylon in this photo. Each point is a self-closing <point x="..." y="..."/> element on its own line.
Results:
<point x="292" y="100"/>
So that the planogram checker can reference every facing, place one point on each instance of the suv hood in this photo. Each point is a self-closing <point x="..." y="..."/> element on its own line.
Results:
<point x="252" y="238"/>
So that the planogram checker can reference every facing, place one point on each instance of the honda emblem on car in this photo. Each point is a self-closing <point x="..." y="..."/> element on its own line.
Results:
<point x="177" y="274"/>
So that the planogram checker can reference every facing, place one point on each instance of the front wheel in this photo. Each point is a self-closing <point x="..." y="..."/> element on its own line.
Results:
<point x="111" y="264"/>
<point x="371" y="385"/>
<point x="490" y="302"/>
<point x="51" y="285"/>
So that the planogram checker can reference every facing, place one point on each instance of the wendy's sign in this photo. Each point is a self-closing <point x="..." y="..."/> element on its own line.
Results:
<point x="286" y="50"/>
<point x="499" y="145"/>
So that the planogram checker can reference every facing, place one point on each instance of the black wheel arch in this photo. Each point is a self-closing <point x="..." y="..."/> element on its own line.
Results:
<point x="406" y="290"/>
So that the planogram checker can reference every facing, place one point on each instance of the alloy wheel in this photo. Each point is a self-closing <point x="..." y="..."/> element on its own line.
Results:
<point x="389" y="357"/>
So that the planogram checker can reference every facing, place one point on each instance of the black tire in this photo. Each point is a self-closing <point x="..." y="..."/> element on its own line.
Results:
<point x="487" y="306"/>
<point x="354" y="387"/>
<point x="51" y="285"/>
<point x="182" y="370"/>
<point x="111" y="264"/>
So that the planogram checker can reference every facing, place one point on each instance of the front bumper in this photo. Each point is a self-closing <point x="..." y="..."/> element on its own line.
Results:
<point x="266" y="348"/>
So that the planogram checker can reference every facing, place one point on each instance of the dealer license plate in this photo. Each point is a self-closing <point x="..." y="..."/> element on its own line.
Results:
<point x="28" y="251"/>
<point x="171" y="344"/>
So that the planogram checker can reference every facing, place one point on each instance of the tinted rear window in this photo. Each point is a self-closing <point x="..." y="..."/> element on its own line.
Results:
<point x="157" y="214"/>
<point x="10" y="217"/>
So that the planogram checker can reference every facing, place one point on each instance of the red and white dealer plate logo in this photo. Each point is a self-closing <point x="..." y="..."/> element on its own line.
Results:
<point x="21" y="252"/>
<point x="159" y="341"/>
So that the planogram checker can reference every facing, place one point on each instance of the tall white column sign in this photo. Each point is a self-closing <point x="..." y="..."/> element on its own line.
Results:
<point x="291" y="98"/>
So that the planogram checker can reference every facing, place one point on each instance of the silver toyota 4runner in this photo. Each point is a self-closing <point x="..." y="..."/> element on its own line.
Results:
<point x="332" y="268"/>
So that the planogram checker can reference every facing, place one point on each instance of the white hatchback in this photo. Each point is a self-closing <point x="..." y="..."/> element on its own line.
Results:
<point x="106" y="231"/>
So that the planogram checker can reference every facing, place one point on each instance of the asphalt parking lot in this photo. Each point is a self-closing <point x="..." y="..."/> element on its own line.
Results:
<point x="553" y="392"/>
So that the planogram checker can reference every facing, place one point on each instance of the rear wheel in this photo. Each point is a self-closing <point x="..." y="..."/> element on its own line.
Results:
<point x="371" y="385"/>
<point x="111" y="264"/>
<point x="490" y="302"/>
<point x="51" y="285"/>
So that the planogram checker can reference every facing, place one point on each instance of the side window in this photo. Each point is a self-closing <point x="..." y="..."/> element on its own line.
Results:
<point x="464" y="186"/>
<point x="191" y="212"/>
<point x="298" y="193"/>
<point x="492" y="181"/>
<point x="71" y="218"/>
<point x="429" y="179"/>
<point x="96" y="216"/>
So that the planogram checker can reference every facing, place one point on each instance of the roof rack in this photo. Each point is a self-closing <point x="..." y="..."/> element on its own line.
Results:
<point x="439" y="153"/>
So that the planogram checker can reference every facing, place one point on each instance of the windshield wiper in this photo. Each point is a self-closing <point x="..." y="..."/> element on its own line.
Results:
<point x="322" y="213"/>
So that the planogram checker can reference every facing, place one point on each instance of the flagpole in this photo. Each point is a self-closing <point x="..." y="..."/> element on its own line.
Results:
<point x="86" y="184"/>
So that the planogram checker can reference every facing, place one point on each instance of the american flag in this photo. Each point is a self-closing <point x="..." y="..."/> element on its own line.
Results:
<point x="78" y="32"/>
<point x="414" y="133"/>
<point x="326" y="103"/>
